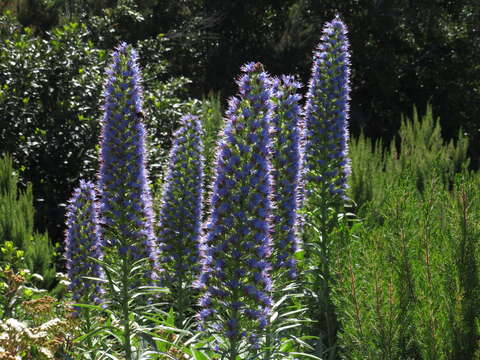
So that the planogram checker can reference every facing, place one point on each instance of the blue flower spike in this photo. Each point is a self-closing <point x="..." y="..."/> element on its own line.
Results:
<point x="237" y="246"/>
<point x="82" y="241"/>
<point x="287" y="161"/>
<point x="327" y="112"/>
<point x="126" y="203"/>
<point x="181" y="208"/>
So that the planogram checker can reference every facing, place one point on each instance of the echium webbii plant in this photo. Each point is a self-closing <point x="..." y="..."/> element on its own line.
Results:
<point x="327" y="170"/>
<point x="236" y="247"/>
<point x="82" y="242"/>
<point x="126" y="204"/>
<point x="326" y="114"/>
<point x="181" y="212"/>
<point x="287" y="159"/>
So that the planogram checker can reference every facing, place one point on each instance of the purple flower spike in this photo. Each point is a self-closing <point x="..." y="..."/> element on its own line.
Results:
<point x="236" y="246"/>
<point x="125" y="203"/>
<point x="287" y="164"/>
<point x="181" y="209"/>
<point x="82" y="241"/>
<point x="327" y="111"/>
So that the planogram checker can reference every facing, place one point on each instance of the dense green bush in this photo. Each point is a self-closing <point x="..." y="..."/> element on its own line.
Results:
<point x="418" y="152"/>
<point x="49" y="107"/>
<point x="408" y="278"/>
<point x="408" y="282"/>
<point x="17" y="227"/>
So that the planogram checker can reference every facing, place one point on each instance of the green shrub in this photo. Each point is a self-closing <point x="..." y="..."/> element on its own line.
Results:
<point x="418" y="152"/>
<point x="368" y="167"/>
<point x="409" y="281"/>
<point x="424" y="154"/>
<point x="17" y="226"/>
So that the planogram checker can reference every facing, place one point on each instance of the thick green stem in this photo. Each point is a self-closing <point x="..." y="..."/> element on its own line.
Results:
<point x="329" y="313"/>
<point x="89" y="328"/>
<point x="233" y="351"/>
<point x="125" y="308"/>
<point x="268" y="344"/>
<point x="323" y="281"/>
<point x="181" y="303"/>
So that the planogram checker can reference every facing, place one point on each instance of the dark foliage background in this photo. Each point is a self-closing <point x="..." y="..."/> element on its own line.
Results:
<point x="404" y="53"/>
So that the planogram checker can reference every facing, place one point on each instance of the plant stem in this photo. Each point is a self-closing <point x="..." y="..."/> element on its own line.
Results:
<point x="125" y="308"/>
<point x="89" y="328"/>
<point x="233" y="351"/>
<point x="329" y="313"/>
<point x="268" y="344"/>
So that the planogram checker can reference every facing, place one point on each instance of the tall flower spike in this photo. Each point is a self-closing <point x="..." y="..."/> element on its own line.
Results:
<point x="326" y="113"/>
<point x="126" y="204"/>
<point x="287" y="164"/>
<point x="181" y="209"/>
<point x="236" y="246"/>
<point x="81" y="242"/>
